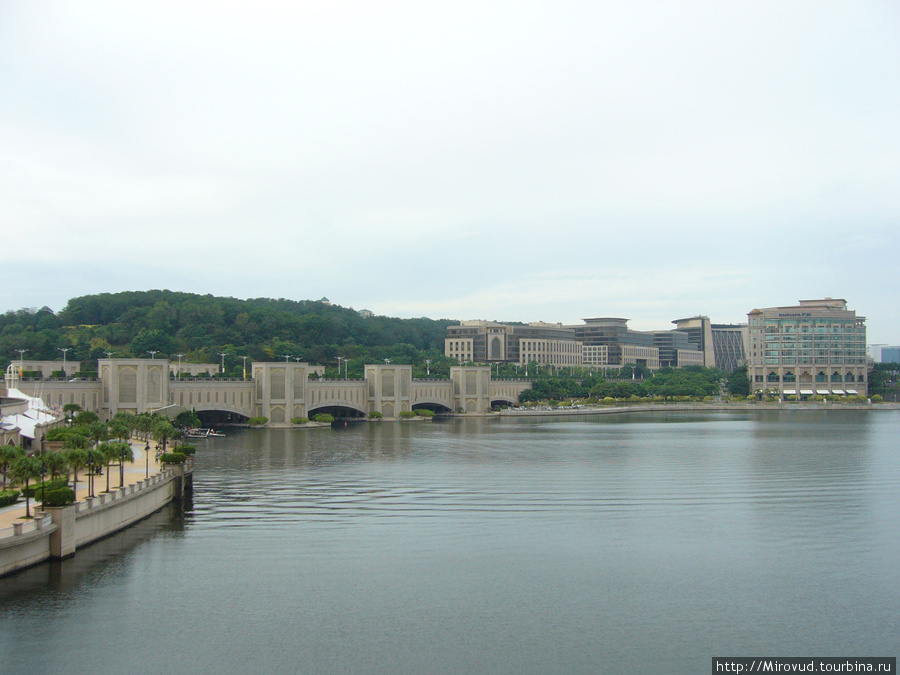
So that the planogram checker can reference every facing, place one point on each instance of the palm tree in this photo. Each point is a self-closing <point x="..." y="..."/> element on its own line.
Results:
<point x="55" y="463"/>
<point x="97" y="431"/>
<point x="94" y="458"/>
<point x="143" y="423"/>
<point x="122" y="452"/>
<point x="8" y="454"/>
<point x="77" y="459"/>
<point x="24" y="470"/>
<point x="162" y="431"/>
<point x="108" y="453"/>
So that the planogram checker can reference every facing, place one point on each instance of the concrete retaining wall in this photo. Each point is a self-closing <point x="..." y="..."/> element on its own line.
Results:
<point x="61" y="531"/>
<point x="28" y="544"/>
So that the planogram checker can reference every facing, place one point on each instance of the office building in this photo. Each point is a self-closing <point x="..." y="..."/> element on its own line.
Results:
<point x="521" y="344"/>
<point x="815" y="348"/>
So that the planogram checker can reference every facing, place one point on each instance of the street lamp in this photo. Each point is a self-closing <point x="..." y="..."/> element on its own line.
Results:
<point x="178" y="374"/>
<point x="287" y="357"/>
<point x="245" y="366"/>
<point x="109" y="354"/>
<point x="153" y="353"/>
<point x="387" y="361"/>
<point x="21" y="361"/>
<point x="222" y="354"/>
<point x="64" y="350"/>
<point x="339" y="359"/>
<point x="428" y="367"/>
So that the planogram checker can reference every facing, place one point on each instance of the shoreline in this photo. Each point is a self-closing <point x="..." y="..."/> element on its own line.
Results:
<point x="692" y="407"/>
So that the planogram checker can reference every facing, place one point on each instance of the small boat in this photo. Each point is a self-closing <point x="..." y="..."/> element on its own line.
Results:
<point x="202" y="432"/>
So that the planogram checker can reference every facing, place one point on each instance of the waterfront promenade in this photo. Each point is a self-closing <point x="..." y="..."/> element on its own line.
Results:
<point x="134" y="471"/>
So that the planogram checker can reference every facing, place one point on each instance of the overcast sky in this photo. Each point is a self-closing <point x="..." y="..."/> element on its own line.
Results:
<point x="494" y="160"/>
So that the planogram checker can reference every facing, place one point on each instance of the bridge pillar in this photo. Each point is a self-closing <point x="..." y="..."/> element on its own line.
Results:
<point x="471" y="388"/>
<point x="389" y="388"/>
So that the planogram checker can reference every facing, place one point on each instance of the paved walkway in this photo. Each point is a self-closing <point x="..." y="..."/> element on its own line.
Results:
<point x="135" y="471"/>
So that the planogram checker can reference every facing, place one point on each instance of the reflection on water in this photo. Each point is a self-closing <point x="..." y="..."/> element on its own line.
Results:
<point x="614" y="543"/>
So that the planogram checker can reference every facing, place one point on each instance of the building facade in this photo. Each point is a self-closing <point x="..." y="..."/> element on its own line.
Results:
<point x="730" y="345"/>
<point x="609" y="343"/>
<point x="699" y="332"/>
<point x="815" y="348"/>
<point x="521" y="344"/>
<point x="890" y="354"/>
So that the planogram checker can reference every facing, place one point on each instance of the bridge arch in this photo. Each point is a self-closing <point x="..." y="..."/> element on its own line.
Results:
<point x="213" y="416"/>
<point x="500" y="401"/>
<point x="435" y="406"/>
<point x="337" y="410"/>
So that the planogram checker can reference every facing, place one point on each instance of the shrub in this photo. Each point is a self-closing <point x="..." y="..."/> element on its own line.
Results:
<point x="173" y="458"/>
<point x="407" y="414"/>
<point x="608" y="400"/>
<point x="187" y="449"/>
<point x="47" y="486"/>
<point x="258" y="421"/>
<point x="324" y="418"/>
<point x="424" y="412"/>
<point x="299" y="420"/>
<point x="877" y="398"/>
<point x="8" y="497"/>
<point x="375" y="415"/>
<point x="59" y="433"/>
<point x="59" y="497"/>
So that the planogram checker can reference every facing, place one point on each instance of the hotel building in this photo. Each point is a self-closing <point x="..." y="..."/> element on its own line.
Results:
<point x="815" y="348"/>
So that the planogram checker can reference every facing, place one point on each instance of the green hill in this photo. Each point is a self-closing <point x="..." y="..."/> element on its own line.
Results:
<point x="132" y="323"/>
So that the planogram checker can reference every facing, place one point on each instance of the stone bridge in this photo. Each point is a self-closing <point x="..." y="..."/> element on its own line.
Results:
<point x="277" y="390"/>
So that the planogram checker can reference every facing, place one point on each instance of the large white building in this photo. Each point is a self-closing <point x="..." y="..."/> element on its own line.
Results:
<point x="815" y="348"/>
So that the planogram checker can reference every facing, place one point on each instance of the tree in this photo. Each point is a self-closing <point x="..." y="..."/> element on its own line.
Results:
<point x="55" y="463"/>
<point x="24" y="470"/>
<point x="121" y="452"/>
<point x="151" y="340"/>
<point x="71" y="410"/>
<point x="162" y="430"/>
<point x="97" y="431"/>
<point x="77" y="458"/>
<point x="8" y="454"/>
<point x="738" y="382"/>
<point x="187" y="420"/>
<point x="94" y="459"/>
<point x="86" y="418"/>
<point x="107" y="455"/>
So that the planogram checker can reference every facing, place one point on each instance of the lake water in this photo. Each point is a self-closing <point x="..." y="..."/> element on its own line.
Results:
<point x="647" y="543"/>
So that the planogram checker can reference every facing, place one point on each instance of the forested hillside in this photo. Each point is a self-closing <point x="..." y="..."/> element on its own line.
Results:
<point x="202" y="326"/>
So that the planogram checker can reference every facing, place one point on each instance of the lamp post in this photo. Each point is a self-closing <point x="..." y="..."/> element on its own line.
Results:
<point x="287" y="357"/>
<point x="245" y="366"/>
<point x="387" y="362"/>
<point x="339" y="359"/>
<point x="428" y="367"/>
<point x="153" y="353"/>
<point x="222" y="354"/>
<point x="21" y="361"/>
<point x="64" y="350"/>
<point x="109" y="354"/>
<point x="178" y="373"/>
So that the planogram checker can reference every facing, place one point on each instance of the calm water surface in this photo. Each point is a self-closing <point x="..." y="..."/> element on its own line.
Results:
<point x="647" y="543"/>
